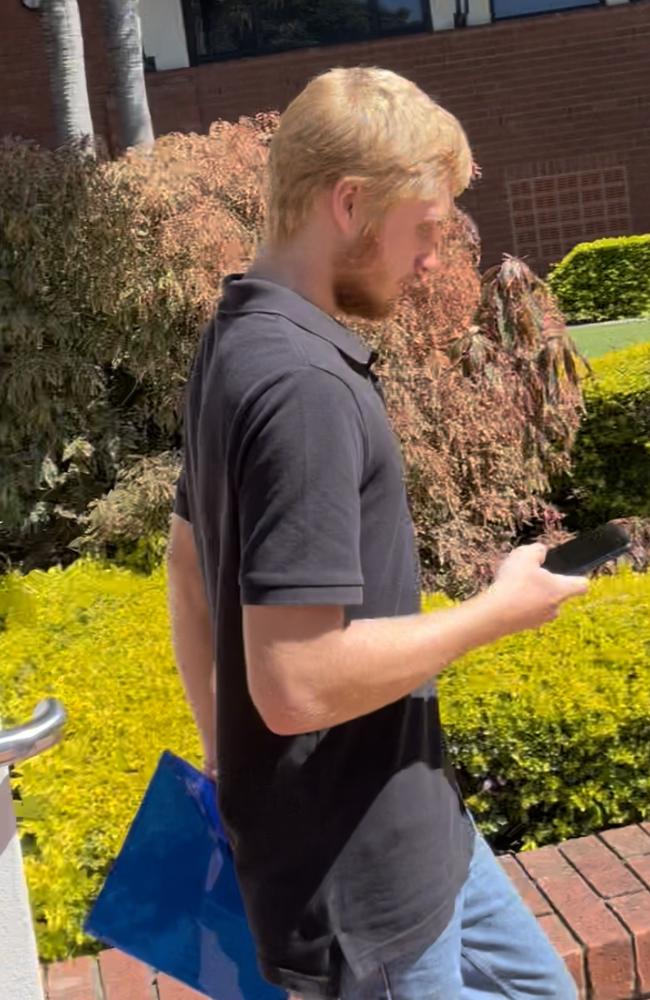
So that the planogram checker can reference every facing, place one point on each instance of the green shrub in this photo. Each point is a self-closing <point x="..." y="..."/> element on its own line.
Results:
<point x="605" y="280"/>
<point x="551" y="731"/>
<point x="130" y="524"/>
<point x="610" y="476"/>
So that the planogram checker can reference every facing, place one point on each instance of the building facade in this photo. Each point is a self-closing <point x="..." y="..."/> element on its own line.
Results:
<point x="554" y="94"/>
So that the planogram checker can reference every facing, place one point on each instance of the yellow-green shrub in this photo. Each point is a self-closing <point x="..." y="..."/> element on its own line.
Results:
<point x="558" y="722"/>
<point x="97" y="638"/>
<point x="606" y="279"/>
<point x="551" y="729"/>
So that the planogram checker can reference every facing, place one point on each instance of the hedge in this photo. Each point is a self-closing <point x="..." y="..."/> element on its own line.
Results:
<point x="550" y="731"/>
<point x="611" y="458"/>
<point x="605" y="280"/>
<point x="97" y="638"/>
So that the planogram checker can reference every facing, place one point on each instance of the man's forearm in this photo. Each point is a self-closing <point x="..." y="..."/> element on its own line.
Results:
<point x="193" y="649"/>
<point x="355" y="670"/>
<point x="192" y="639"/>
<point x="308" y="671"/>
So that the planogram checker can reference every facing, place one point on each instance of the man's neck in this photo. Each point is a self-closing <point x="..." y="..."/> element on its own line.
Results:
<point x="296" y="266"/>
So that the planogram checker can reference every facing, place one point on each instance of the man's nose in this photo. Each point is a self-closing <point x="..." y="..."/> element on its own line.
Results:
<point x="427" y="262"/>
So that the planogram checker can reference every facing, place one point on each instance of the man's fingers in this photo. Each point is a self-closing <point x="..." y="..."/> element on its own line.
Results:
<point x="576" y="585"/>
<point x="210" y="770"/>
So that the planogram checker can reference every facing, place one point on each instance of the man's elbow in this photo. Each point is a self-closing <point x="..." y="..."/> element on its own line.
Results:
<point x="284" y="724"/>
<point x="285" y="713"/>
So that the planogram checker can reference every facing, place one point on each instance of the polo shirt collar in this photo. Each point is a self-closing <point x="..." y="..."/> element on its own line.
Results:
<point x="242" y="294"/>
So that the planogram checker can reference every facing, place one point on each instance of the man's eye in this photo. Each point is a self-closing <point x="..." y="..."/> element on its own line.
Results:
<point x="426" y="230"/>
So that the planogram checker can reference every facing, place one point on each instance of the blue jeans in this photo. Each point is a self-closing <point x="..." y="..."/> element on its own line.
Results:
<point x="492" y="947"/>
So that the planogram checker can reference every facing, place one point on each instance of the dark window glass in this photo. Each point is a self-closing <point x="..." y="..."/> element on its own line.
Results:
<point x="218" y="29"/>
<point x="395" y="14"/>
<point x="515" y="8"/>
<point x="302" y="23"/>
<point x="225" y="26"/>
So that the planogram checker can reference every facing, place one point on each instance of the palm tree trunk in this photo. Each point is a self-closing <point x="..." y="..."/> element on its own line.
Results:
<point x="65" y="56"/>
<point x="124" y="36"/>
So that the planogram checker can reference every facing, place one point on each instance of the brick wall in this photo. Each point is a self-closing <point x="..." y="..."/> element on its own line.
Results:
<point x="561" y="94"/>
<point x="25" y="106"/>
<point x="591" y="896"/>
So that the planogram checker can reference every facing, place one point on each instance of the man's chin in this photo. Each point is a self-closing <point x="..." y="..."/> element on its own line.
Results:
<point x="370" y="311"/>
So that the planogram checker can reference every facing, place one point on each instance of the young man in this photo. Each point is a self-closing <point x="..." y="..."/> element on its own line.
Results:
<point x="292" y="567"/>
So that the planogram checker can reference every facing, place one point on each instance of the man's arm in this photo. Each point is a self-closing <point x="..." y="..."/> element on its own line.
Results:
<point x="192" y="633"/>
<point x="300" y="456"/>
<point x="307" y="671"/>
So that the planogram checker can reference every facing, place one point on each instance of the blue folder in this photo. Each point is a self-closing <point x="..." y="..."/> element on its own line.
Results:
<point x="171" y="898"/>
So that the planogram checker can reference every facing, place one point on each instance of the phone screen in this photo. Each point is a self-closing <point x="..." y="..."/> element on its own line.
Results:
<point x="587" y="552"/>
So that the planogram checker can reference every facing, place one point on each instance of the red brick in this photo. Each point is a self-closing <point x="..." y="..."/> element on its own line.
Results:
<point x="170" y="989"/>
<point x="124" y="978"/>
<point x="634" y="911"/>
<point x="603" y="869"/>
<point x="641" y="867"/>
<point x="544" y="74"/>
<point x="609" y="954"/>
<point x="526" y="888"/>
<point x="73" y="980"/>
<point x="628" y="841"/>
<point x="566" y="945"/>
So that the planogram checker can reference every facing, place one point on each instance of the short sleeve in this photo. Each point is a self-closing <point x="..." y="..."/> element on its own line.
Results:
<point x="181" y="502"/>
<point x="298" y="476"/>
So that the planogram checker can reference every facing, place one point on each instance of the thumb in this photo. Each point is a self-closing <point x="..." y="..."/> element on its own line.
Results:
<point x="535" y="553"/>
<point x="538" y="552"/>
<point x="575" y="585"/>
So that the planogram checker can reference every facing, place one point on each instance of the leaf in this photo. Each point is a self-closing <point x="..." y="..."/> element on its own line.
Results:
<point x="78" y="450"/>
<point x="49" y="472"/>
<point x="31" y="807"/>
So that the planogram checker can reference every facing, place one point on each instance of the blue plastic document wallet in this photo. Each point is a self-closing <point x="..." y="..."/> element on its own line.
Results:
<point x="171" y="898"/>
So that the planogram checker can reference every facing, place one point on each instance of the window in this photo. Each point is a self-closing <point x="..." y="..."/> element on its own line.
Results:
<point x="225" y="29"/>
<point x="517" y="8"/>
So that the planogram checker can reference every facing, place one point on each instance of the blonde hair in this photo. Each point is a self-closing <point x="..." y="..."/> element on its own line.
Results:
<point x="368" y="124"/>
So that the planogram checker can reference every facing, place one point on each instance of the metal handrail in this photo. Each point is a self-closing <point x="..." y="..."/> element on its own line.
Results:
<point x="30" y="739"/>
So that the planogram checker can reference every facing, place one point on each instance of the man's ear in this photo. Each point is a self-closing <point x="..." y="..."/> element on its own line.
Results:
<point x="347" y="205"/>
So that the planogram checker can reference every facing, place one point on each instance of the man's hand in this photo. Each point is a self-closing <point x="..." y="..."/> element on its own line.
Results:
<point x="210" y="769"/>
<point x="525" y="595"/>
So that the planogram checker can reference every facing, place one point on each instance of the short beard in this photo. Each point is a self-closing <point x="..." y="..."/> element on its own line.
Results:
<point x="357" y="271"/>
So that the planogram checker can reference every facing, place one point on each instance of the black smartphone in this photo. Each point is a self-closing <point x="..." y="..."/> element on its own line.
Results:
<point x="584" y="554"/>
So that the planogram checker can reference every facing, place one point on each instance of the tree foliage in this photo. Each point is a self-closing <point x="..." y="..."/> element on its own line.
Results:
<point x="483" y="385"/>
<point x="109" y="270"/>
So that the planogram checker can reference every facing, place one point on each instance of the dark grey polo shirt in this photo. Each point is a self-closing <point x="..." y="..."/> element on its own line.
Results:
<point x="350" y="843"/>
